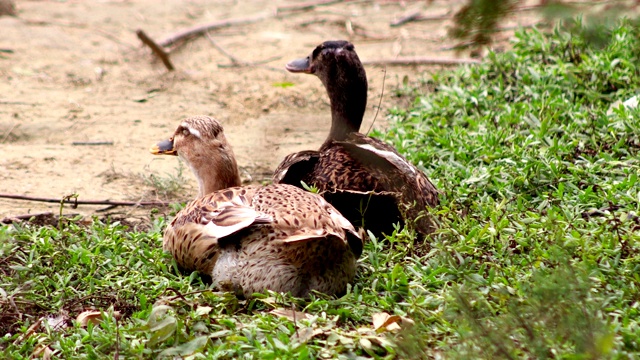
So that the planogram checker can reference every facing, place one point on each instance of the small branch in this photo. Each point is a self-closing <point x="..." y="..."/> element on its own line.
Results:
<point x="352" y="28"/>
<point x="42" y="22"/>
<point x="29" y="331"/>
<point x="6" y="102"/>
<point x="233" y="59"/>
<point x="468" y="311"/>
<point x="295" y="323"/>
<point x="418" y="16"/>
<point x="235" y="62"/>
<point x="85" y="202"/>
<point x="200" y="29"/>
<point x="422" y="61"/>
<point x="459" y="46"/>
<point x="104" y="209"/>
<point x="157" y="49"/>
<point x="261" y="62"/>
<point x="384" y="78"/>
<point x="116" y="355"/>
<point x="600" y="212"/>
<point x="6" y="51"/>
<point x="6" y="136"/>
<point x="179" y="295"/>
<point x="114" y="38"/>
<point x="305" y="6"/>
<point x="405" y="19"/>
<point x="515" y="27"/>
<point x="91" y="143"/>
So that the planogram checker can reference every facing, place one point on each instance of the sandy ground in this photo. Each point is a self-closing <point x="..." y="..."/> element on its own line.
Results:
<point x="78" y="73"/>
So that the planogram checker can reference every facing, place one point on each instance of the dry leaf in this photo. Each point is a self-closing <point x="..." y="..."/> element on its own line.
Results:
<point x="92" y="316"/>
<point x="305" y="334"/>
<point x="42" y="350"/>
<point x="385" y="322"/>
<point x="29" y="331"/>
<point x="290" y="314"/>
<point x="203" y="310"/>
<point x="86" y="317"/>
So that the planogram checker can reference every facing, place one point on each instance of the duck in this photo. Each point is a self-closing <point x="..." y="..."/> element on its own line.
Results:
<point x="366" y="179"/>
<point x="253" y="238"/>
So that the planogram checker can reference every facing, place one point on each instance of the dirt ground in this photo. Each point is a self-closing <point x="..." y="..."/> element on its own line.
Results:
<point x="76" y="72"/>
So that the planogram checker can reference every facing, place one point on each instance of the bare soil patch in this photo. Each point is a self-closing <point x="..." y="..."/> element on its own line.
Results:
<point x="78" y="73"/>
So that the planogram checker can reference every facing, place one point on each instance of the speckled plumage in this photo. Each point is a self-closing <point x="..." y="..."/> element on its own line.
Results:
<point x="367" y="180"/>
<point x="253" y="238"/>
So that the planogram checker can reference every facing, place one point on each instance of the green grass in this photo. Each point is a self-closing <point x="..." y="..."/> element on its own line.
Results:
<point x="167" y="186"/>
<point x="537" y="255"/>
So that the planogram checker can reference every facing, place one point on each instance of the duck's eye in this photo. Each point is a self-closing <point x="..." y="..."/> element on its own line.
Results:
<point x="185" y="132"/>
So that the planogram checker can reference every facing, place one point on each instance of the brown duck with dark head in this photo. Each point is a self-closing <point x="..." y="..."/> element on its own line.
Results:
<point x="367" y="180"/>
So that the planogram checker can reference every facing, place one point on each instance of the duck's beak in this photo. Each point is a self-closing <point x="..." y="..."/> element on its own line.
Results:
<point x="299" y="66"/>
<point x="164" y="148"/>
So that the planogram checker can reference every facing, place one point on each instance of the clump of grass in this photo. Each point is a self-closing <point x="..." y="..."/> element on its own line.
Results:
<point x="536" y="155"/>
<point x="537" y="254"/>
<point x="168" y="186"/>
<point x="556" y="311"/>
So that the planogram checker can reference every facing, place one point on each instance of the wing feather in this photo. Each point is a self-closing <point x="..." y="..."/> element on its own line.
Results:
<point x="295" y="166"/>
<point x="230" y="219"/>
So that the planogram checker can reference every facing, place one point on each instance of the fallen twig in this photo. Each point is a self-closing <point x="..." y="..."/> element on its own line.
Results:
<point x="352" y="28"/>
<point x="113" y="38"/>
<point x="6" y="102"/>
<point x="514" y="27"/>
<point x="405" y="19"/>
<point x="254" y="63"/>
<point x="42" y="22"/>
<point x="200" y="29"/>
<point x="384" y="78"/>
<point x="605" y="211"/>
<point x="116" y="355"/>
<point x="157" y="49"/>
<point x="421" y="61"/>
<point x="91" y="143"/>
<point x="233" y="59"/>
<point x="85" y="202"/>
<point x="235" y="62"/>
<point x="29" y="332"/>
<point x="459" y="46"/>
<point x="418" y="16"/>
<point x="6" y="136"/>
<point x="305" y="6"/>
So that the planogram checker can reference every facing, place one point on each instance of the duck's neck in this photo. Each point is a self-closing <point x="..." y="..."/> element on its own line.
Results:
<point x="348" y="96"/>
<point x="216" y="172"/>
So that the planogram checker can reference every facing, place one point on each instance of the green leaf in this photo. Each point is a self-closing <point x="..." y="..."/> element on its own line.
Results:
<point x="186" y="349"/>
<point x="162" y="330"/>
<point x="283" y="85"/>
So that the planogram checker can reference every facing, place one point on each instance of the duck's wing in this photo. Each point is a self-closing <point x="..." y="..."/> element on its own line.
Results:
<point x="303" y="216"/>
<point x="384" y="159"/>
<point x="229" y="216"/>
<point x="295" y="167"/>
<point x="193" y="235"/>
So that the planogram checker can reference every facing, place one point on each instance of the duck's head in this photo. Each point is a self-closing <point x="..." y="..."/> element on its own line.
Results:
<point x="331" y="60"/>
<point x="200" y="142"/>
<point x="337" y="65"/>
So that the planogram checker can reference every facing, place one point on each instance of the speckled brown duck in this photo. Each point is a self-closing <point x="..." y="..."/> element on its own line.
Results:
<point x="367" y="180"/>
<point x="253" y="238"/>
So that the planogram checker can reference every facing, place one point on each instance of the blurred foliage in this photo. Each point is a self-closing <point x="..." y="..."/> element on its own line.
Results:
<point x="477" y="21"/>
